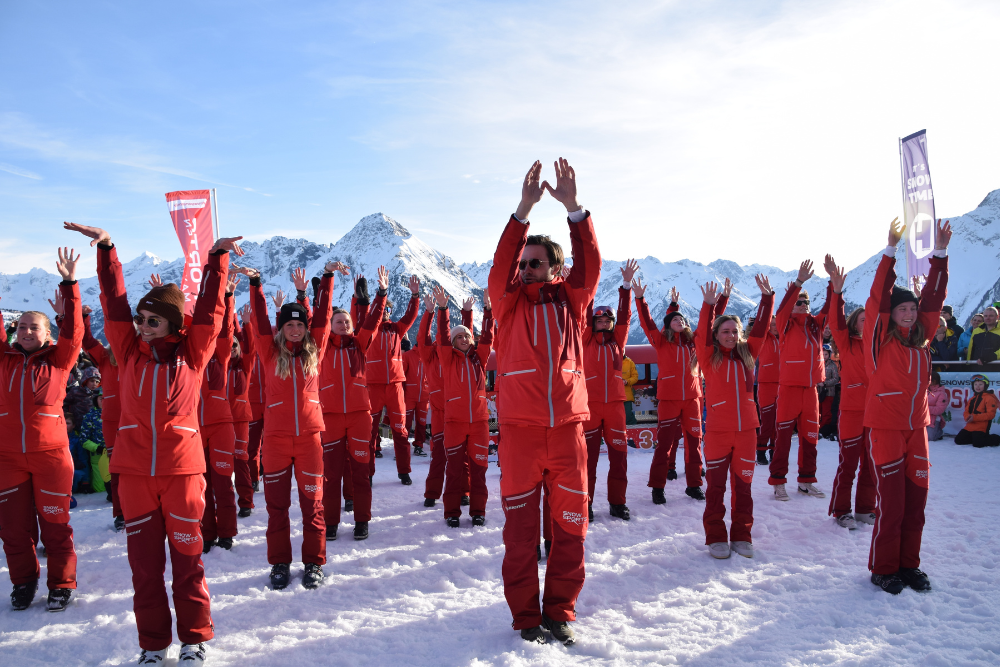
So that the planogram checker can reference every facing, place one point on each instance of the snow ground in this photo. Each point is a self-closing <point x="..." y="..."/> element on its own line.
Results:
<point x="419" y="593"/>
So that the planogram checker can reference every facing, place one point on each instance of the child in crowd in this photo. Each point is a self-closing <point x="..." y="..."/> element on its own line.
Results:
<point x="938" y="399"/>
<point x="979" y="414"/>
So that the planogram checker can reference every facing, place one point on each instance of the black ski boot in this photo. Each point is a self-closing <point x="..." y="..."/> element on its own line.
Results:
<point x="58" y="599"/>
<point x="534" y="634"/>
<point x="695" y="492"/>
<point x="378" y="453"/>
<point x="119" y="523"/>
<point x="590" y="511"/>
<point x="207" y="546"/>
<point x="671" y="475"/>
<point x="331" y="532"/>
<point x="348" y="505"/>
<point x="560" y="630"/>
<point x="419" y="451"/>
<point x="762" y="457"/>
<point x="658" y="497"/>
<point x="23" y="594"/>
<point x="914" y="578"/>
<point x="313" y="576"/>
<point x="620" y="512"/>
<point x="548" y="548"/>
<point x="244" y="512"/>
<point x="464" y="501"/>
<point x="280" y="576"/>
<point x="226" y="543"/>
<point x="361" y="530"/>
<point x="890" y="583"/>
<point x="451" y="521"/>
<point x="429" y="502"/>
<point x="478" y="520"/>
<point x="405" y="479"/>
<point x="538" y="550"/>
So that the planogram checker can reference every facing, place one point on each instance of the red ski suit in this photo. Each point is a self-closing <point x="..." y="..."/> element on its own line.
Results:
<point x="542" y="405"/>
<point x="111" y="411"/>
<point x="730" y="427"/>
<point x="293" y="421"/>
<point x="415" y="396"/>
<point x="36" y="469"/>
<point x="466" y="417"/>
<point x="385" y="385"/>
<point x="678" y="394"/>
<point x="238" y="392"/>
<point x="159" y="455"/>
<point x="257" y="397"/>
<point x="603" y="352"/>
<point x="347" y="417"/>
<point x="852" y="433"/>
<point x="896" y="414"/>
<point x="767" y="391"/>
<point x="801" y="369"/>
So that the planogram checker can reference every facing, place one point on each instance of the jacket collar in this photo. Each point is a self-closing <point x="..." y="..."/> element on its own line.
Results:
<point x="162" y="350"/>
<point x="543" y="292"/>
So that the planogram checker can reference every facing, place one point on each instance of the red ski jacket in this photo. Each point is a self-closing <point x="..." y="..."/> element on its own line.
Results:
<point x="415" y="389"/>
<point x="160" y="380"/>
<point x="729" y="388"/>
<point x="540" y="353"/>
<point x="112" y="410"/>
<point x="853" y="376"/>
<point x="256" y="391"/>
<point x="343" y="385"/>
<point x="34" y="385"/>
<point x="214" y="407"/>
<point x="801" y="340"/>
<point x="429" y="355"/>
<point x="677" y="376"/>
<point x="291" y="405"/>
<point x="900" y="375"/>
<point x="767" y="362"/>
<point x="238" y="385"/>
<point x="385" y="359"/>
<point x="465" y="374"/>
<point x="603" y="352"/>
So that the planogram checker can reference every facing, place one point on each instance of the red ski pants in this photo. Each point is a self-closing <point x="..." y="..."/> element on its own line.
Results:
<point x="241" y="465"/>
<point x="767" y="403"/>
<point x="674" y="418"/>
<point x="416" y="423"/>
<point x="254" y="454"/>
<point x="390" y="397"/>
<point x="532" y="457"/>
<point x="34" y="492"/>
<point x="304" y="454"/>
<point x="607" y="421"/>
<point x="219" y="519"/>
<point x="435" y="475"/>
<point x="797" y="407"/>
<point x="110" y="432"/>
<point x="467" y="447"/>
<point x="345" y="447"/>
<point x="853" y="451"/>
<point x="729" y="454"/>
<point x="157" y="509"/>
<point x="902" y="476"/>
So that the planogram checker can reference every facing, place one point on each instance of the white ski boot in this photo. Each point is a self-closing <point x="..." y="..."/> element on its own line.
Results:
<point x="779" y="492"/>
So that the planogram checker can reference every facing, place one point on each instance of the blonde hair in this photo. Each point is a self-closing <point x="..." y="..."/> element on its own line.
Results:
<point x="309" y="356"/>
<point x="686" y="336"/>
<point x="742" y="348"/>
<point x="48" y="322"/>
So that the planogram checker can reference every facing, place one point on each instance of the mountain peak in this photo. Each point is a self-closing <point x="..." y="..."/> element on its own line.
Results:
<point x="377" y="225"/>
<point x="992" y="200"/>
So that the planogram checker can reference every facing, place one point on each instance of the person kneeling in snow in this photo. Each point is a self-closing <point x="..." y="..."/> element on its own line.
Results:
<point x="979" y="414"/>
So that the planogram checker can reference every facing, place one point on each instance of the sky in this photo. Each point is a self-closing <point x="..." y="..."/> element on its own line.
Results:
<point x="750" y="131"/>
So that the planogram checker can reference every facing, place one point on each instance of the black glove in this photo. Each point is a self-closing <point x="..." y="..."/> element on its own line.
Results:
<point x="361" y="291"/>
<point x="316" y="283"/>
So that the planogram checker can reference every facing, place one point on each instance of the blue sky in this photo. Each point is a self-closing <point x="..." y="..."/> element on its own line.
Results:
<point x="757" y="132"/>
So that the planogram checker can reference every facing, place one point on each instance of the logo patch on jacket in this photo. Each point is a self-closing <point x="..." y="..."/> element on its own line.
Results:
<point x="312" y="488"/>
<point x="53" y="509"/>
<point x="573" y="517"/>
<point x="186" y="538"/>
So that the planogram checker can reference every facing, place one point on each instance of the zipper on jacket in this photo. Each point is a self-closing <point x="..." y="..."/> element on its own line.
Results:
<point x="916" y="389"/>
<point x="24" y="427"/>
<point x="152" y="417"/>
<point x="468" y="382"/>
<point x="343" y="381"/>
<point x="295" y="394"/>
<point x="548" y="348"/>
<point x="739" y="409"/>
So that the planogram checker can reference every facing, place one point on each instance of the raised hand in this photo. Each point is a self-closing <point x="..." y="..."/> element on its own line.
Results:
<point x="896" y="229"/>
<point x="628" y="272"/>
<point x="710" y="292"/>
<point x="943" y="236"/>
<point x="66" y="266"/>
<point x="383" y="278"/>
<point x="155" y="280"/>
<point x="414" y="285"/>
<point x="246" y="313"/>
<point x="727" y="288"/>
<point x="339" y="267"/>
<point x="837" y="274"/>
<point x="232" y="282"/>
<point x="279" y="299"/>
<point x="916" y="284"/>
<point x="440" y="296"/>
<point x="469" y="303"/>
<point x="565" y="190"/>
<point x="565" y="271"/>
<point x="428" y="302"/>
<point x="228" y="243"/>
<point x="805" y="271"/>
<point x="59" y="305"/>
<point x="764" y="284"/>
<point x="86" y="310"/>
<point x="96" y="233"/>
<point x="531" y="191"/>
<point x="245" y="270"/>
<point x="299" y="279"/>
<point x="638" y="288"/>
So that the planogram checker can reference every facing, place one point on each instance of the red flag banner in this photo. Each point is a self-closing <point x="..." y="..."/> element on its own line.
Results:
<point x="191" y="213"/>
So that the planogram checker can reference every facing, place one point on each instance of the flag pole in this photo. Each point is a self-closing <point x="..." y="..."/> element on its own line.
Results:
<point x="215" y="213"/>
<point x="902" y="187"/>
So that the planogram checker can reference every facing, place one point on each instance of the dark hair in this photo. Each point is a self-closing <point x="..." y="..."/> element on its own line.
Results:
<point x="935" y="378"/>
<point x="553" y="249"/>
<point x="804" y="293"/>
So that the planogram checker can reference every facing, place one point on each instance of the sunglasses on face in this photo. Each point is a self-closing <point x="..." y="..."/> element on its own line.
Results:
<point x="533" y="263"/>
<point x="151" y="322"/>
<point x="802" y="302"/>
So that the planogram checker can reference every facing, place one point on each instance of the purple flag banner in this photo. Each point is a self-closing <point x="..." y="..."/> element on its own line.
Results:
<point x="918" y="204"/>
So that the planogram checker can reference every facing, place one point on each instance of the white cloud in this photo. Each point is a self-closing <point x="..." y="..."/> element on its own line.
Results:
<point x="17" y="171"/>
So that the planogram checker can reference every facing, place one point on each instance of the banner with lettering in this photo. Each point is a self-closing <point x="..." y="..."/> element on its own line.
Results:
<point x="959" y="386"/>
<point x="191" y="213"/>
<point x="918" y="205"/>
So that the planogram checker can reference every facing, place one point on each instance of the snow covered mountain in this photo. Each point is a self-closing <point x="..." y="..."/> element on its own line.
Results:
<point x="378" y="239"/>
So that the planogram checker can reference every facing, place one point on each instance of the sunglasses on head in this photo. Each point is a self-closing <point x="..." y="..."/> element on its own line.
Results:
<point x="533" y="263"/>
<point x="152" y="322"/>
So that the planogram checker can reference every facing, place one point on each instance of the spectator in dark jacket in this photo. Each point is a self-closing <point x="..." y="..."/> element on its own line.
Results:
<point x="944" y="345"/>
<point x="949" y="318"/>
<point x="80" y="399"/>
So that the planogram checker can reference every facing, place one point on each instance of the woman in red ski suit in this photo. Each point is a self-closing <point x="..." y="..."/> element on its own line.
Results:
<point x="36" y="468"/>
<point x="293" y="418"/>
<point x="898" y="360"/>
<point x="603" y="350"/>
<point x="543" y="403"/>
<point x="158" y="454"/>
<point x="238" y="391"/>
<point x="767" y="393"/>
<point x="435" y="392"/>
<point x="847" y="334"/>
<point x="466" y="417"/>
<point x="727" y="359"/>
<point x="347" y="414"/>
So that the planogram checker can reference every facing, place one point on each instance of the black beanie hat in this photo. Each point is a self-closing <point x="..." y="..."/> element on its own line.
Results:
<point x="902" y="295"/>
<point x="293" y="311"/>
<point x="670" y="317"/>
<point x="405" y="345"/>
<point x="167" y="301"/>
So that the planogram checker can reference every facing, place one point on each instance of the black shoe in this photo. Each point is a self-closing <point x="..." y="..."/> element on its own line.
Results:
<point x="560" y="630"/>
<point x="378" y="453"/>
<point x="419" y="451"/>
<point x="361" y="530"/>
<point x="695" y="492"/>
<point x="620" y="512"/>
<point x="538" y="550"/>
<point x="478" y="520"/>
<point x="671" y="475"/>
<point x="534" y="634"/>
<point x="313" y="576"/>
<point x="429" y="502"/>
<point x="280" y="576"/>
<point x="348" y="505"/>
<point x="590" y="512"/>
<point x="225" y="542"/>
<point x="244" y="512"/>
<point x="119" y="523"/>
<point x="465" y="501"/>
<point x="405" y="479"/>
<point x="762" y="457"/>
<point x="58" y="599"/>
<point x="914" y="578"/>
<point x="256" y="486"/>
<point x="207" y="546"/>
<point x="658" y="497"/>
<point x="890" y="583"/>
<point x="23" y="594"/>
<point x="452" y="521"/>
<point x="331" y="532"/>
<point x="548" y="548"/>
<point x="371" y="481"/>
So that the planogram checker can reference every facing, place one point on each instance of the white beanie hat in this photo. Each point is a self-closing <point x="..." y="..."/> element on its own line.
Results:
<point x="459" y="329"/>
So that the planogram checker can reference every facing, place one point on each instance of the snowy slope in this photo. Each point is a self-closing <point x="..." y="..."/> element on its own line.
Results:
<point x="417" y="593"/>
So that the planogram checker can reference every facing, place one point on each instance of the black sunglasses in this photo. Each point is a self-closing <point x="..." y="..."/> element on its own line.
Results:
<point x="533" y="263"/>
<point x="152" y="322"/>
<point x="802" y="302"/>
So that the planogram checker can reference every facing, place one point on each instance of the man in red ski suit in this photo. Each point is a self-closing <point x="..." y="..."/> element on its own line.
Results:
<point x="767" y="393"/>
<point x="415" y="396"/>
<point x="238" y="392"/>
<point x="543" y="404"/>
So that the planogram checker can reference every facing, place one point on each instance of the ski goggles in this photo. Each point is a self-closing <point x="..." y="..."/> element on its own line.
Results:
<point x="604" y="311"/>
<point x="533" y="263"/>
<point x="979" y="378"/>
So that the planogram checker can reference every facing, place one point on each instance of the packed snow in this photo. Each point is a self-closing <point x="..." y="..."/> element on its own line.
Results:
<point x="419" y="593"/>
